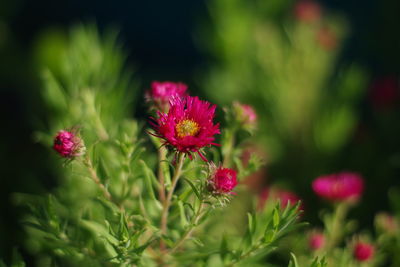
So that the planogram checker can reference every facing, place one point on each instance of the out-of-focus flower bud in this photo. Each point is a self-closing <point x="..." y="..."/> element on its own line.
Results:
<point x="363" y="251"/>
<point x="316" y="240"/>
<point x="307" y="11"/>
<point x="344" y="186"/>
<point x="245" y="115"/>
<point x="386" y="223"/>
<point x="161" y="93"/>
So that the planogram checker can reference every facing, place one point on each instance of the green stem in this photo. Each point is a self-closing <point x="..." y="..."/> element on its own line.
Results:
<point x="95" y="178"/>
<point x="162" y="156"/>
<point x="189" y="231"/>
<point x="229" y="147"/>
<point x="167" y="202"/>
<point x="246" y="255"/>
<point x="337" y="225"/>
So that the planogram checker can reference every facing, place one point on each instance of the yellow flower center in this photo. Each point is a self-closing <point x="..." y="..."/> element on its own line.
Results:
<point x="187" y="128"/>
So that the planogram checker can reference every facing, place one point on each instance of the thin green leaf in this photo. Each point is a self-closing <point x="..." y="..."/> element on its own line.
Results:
<point x="193" y="188"/>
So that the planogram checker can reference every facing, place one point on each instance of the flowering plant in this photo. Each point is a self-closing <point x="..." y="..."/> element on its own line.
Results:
<point x="123" y="202"/>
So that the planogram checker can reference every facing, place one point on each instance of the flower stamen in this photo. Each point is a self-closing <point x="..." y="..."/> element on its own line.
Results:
<point x="187" y="128"/>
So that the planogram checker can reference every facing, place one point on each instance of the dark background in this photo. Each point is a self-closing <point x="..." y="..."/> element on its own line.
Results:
<point x="159" y="37"/>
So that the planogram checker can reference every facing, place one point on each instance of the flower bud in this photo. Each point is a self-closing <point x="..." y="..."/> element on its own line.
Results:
<point x="285" y="197"/>
<point x="68" y="144"/>
<point x="316" y="241"/>
<point x="307" y="11"/>
<point x="222" y="180"/>
<point x="245" y="115"/>
<point x="386" y="223"/>
<point x="162" y="92"/>
<point x="363" y="251"/>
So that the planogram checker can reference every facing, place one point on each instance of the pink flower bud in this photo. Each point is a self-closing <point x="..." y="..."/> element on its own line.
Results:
<point x="245" y="114"/>
<point x="344" y="186"/>
<point x="278" y="194"/>
<point x="327" y="38"/>
<point x="316" y="241"/>
<point x="161" y="93"/>
<point x="68" y="144"/>
<point x="222" y="180"/>
<point x="363" y="251"/>
<point x="307" y="11"/>
<point x="386" y="223"/>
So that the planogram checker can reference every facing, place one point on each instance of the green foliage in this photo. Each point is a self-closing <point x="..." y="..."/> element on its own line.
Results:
<point x="281" y="66"/>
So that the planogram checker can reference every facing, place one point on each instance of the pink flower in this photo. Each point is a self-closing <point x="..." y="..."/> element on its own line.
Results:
<point x="286" y="196"/>
<point x="307" y="11"/>
<point x="222" y="180"/>
<point x="316" y="241"/>
<point x="161" y="92"/>
<point x="68" y="144"/>
<point x="344" y="186"/>
<point x="363" y="251"/>
<point x="245" y="114"/>
<point x="188" y="126"/>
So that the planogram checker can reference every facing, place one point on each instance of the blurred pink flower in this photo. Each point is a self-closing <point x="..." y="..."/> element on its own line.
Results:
<point x="188" y="126"/>
<point x="316" y="241"/>
<point x="344" y="186"/>
<point x="363" y="251"/>
<point x="386" y="223"/>
<point x="222" y="180"/>
<point x="278" y="194"/>
<point x="68" y="144"/>
<point x="161" y="92"/>
<point x="307" y="11"/>
<point x="327" y="38"/>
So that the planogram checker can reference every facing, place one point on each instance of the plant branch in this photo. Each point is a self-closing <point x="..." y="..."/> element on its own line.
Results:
<point x="95" y="178"/>
<point x="229" y="146"/>
<point x="189" y="231"/>
<point x="167" y="202"/>
<point x="161" y="177"/>
<point x="336" y="227"/>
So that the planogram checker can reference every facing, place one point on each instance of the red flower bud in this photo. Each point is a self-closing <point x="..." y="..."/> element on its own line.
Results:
<point x="222" y="180"/>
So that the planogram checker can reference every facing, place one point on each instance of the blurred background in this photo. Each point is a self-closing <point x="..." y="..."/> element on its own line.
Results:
<point x="323" y="76"/>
